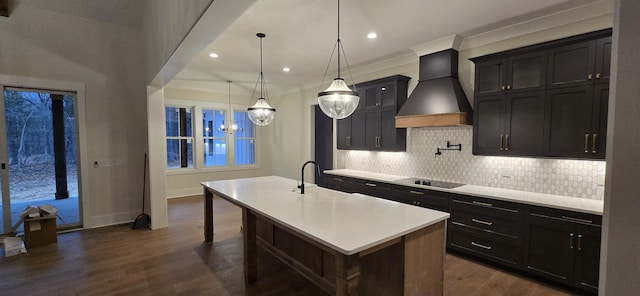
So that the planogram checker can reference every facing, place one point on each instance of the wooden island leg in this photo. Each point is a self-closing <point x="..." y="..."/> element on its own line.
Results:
<point x="250" y="251"/>
<point x="347" y="274"/>
<point x="208" y="216"/>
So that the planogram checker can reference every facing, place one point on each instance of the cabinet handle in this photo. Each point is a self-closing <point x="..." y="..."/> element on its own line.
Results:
<point x="379" y="141"/>
<point x="597" y="75"/>
<point x="501" y="147"/>
<point x="593" y="143"/>
<point x="579" y="242"/>
<point x="502" y="87"/>
<point x="338" y="179"/>
<point x="416" y="203"/>
<point x="370" y="184"/>
<point x="508" y="86"/>
<point x="348" y="141"/>
<point x="577" y="220"/>
<point x="482" y="222"/>
<point x="586" y="143"/>
<point x="457" y="223"/>
<point x="484" y="204"/>
<point x="590" y="76"/>
<point x="506" y="142"/>
<point x="570" y="240"/>
<point x="416" y="192"/>
<point x="481" y="246"/>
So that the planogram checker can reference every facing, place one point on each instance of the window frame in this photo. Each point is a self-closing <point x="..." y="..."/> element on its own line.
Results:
<point x="198" y="138"/>
<point x="180" y="138"/>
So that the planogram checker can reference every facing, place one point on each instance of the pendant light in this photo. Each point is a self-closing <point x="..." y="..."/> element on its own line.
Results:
<point x="261" y="113"/>
<point x="338" y="101"/>
<point x="231" y="126"/>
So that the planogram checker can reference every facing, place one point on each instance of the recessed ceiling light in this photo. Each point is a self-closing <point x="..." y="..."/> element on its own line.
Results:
<point x="286" y="69"/>
<point x="213" y="55"/>
<point x="372" y="35"/>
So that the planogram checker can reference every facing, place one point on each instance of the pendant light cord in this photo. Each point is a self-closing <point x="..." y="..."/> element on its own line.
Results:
<point x="339" y="45"/>
<point x="261" y="75"/>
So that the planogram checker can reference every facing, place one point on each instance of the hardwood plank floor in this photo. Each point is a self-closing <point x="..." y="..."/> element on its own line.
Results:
<point x="176" y="261"/>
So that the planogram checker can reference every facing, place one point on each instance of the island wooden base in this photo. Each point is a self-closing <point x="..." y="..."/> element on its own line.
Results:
<point x="409" y="265"/>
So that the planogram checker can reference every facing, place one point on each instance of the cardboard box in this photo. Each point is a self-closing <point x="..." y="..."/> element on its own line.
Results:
<point x="13" y="246"/>
<point x="40" y="231"/>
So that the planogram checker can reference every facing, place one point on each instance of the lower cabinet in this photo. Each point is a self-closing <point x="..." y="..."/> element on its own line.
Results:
<point x="559" y="245"/>
<point x="563" y="246"/>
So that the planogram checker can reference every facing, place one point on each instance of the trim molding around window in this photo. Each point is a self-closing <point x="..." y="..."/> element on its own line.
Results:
<point x="212" y="149"/>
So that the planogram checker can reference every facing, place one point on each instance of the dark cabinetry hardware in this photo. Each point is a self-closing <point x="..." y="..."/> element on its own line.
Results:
<point x="546" y="100"/>
<point x="372" y="125"/>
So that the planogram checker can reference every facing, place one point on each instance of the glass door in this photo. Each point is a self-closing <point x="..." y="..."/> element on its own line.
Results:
<point x="5" y="204"/>
<point x="40" y="156"/>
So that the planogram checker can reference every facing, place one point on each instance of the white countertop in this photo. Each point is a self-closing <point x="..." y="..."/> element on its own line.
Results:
<point x="538" y="199"/>
<point x="348" y="223"/>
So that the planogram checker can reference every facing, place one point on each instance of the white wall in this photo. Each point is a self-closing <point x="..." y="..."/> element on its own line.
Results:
<point x="107" y="58"/>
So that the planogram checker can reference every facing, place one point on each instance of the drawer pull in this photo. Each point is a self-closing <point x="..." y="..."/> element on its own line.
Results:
<point x="481" y="246"/>
<point x="370" y="184"/>
<point x="577" y="220"/>
<point x="484" y="204"/>
<point x="586" y="143"/>
<point x="338" y="179"/>
<point x="501" y="147"/>
<point x="482" y="222"/>
<point x="416" y="192"/>
<point x="457" y="223"/>
<point x="594" y="137"/>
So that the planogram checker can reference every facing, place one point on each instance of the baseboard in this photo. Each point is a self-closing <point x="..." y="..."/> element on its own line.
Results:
<point x="112" y="219"/>
<point x="184" y="192"/>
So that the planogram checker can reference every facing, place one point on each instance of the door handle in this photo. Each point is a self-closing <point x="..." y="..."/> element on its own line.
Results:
<point x="502" y="87"/>
<point x="506" y="142"/>
<point x="593" y="142"/>
<point x="590" y="77"/>
<point x="586" y="143"/>
<point x="597" y="75"/>
<point x="570" y="240"/>
<point x="579" y="242"/>
<point x="348" y="141"/>
<point x="501" y="147"/>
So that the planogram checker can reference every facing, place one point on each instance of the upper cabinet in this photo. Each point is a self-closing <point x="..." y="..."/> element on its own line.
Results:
<point x="545" y="100"/>
<point x="372" y="125"/>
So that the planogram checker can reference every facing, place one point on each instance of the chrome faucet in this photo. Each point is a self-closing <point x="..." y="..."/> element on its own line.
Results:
<point x="301" y="186"/>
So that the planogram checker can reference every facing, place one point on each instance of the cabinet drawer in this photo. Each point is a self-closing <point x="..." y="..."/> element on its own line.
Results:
<point x="485" y="246"/>
<point x="565" y="216"/>
<point x="490" y="223"/>
<point x="339" y="183"/>
<point x="424" y="198"/>
<point x="488" y="207"/>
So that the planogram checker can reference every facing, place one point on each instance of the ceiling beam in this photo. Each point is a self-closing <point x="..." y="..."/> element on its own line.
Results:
<point x="4" y="8"/>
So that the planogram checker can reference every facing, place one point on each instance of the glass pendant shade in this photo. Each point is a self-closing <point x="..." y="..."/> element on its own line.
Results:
<point x="338" y="101"/>
<point x="261" y="113"/>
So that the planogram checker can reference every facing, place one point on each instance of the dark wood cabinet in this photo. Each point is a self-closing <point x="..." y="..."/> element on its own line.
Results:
<point x="546" y="100"/>
<point x="372" y="125"/>
<point x="582" y="63"/>
<point x="564" y="247"/>
<point x="576" y="123"/>
<point x="509" y="124"/>
<point x="425" y="198"/>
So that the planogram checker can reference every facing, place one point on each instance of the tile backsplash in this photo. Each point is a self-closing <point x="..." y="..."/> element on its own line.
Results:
<point x="577" y="178"/>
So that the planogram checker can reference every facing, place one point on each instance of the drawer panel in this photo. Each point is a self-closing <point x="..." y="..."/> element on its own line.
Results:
<point x="488" y="206"/>
<point x="485" y="246"/>
<point x="566" y="216"/>
<point x="495" y="224"/>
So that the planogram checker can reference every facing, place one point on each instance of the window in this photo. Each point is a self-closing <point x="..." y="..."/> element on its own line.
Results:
<point x="215" y="140"/>
<point x="179" y="137"/>
<point x="245" y="148"/>
<point x="196" y="141"/>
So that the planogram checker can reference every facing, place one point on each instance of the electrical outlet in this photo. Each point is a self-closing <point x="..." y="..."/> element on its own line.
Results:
<point x="506" y="173"/>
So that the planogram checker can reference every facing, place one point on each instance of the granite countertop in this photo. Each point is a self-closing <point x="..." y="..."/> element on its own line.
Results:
<point x="348" y="223"/>
<point x="532" y="198"/>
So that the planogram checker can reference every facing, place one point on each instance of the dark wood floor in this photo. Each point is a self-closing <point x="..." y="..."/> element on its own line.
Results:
<point x="175" y="261"/>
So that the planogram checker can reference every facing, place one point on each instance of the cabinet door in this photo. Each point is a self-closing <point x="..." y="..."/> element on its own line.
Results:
<point x="568" y="122"/>
<point x="549" y="248"/>
<point x="488" y="125"/>
<point x="587" y="259"/>
<point x="371" y="96"/>
<point x="344" y="133"/>
<point x="491" y="77"/>
<point x="527" y="72"/>
<point x="603" y="60"/>
<point x="357" y="130"/>
<point x="391" y="138"/>
<point x="388" y="94"/>
<point x="372" y="130"/>
<point x="571" y="65"/>
<point x="524" y="126"/>
<point x="599" y="120"/>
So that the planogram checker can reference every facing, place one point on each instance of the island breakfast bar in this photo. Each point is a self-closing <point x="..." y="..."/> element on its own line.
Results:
<point x="347" y="244"/>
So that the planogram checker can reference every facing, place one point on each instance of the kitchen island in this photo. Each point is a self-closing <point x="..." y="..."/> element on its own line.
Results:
<point x="348" y="244"/>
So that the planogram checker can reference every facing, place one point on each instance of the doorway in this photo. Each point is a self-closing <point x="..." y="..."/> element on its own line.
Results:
<point x="40" y="160"/>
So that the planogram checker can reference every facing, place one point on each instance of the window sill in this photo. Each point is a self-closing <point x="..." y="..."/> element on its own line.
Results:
<point x="211" y="170"/>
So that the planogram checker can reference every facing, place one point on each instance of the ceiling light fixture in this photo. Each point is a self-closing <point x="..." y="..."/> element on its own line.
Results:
<point x="286" y="69"/>
<point x="231" y="127"/>
<point x="338" y="101"/>
<point x="261" y="113"/>
<point x="372" y="35"/>
<point x="213" y="55"/>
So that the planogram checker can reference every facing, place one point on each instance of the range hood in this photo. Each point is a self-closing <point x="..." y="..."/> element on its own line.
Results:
<point x="438" y="99"/>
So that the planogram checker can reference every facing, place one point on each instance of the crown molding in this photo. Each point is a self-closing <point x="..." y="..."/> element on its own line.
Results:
<point x="452" y="41"/>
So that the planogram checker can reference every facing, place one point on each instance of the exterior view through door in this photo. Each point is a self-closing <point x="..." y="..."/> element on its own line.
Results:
<point x="39" y="160"/>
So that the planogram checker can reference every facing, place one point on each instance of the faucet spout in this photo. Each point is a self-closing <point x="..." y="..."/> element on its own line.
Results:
<point x="301" y="186"/>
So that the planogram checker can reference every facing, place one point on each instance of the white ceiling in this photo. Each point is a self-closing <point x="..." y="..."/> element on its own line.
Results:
<point x="302" y="33"/>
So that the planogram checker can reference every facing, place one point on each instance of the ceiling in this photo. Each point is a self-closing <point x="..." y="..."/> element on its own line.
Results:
<point x="302" y="33"/>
